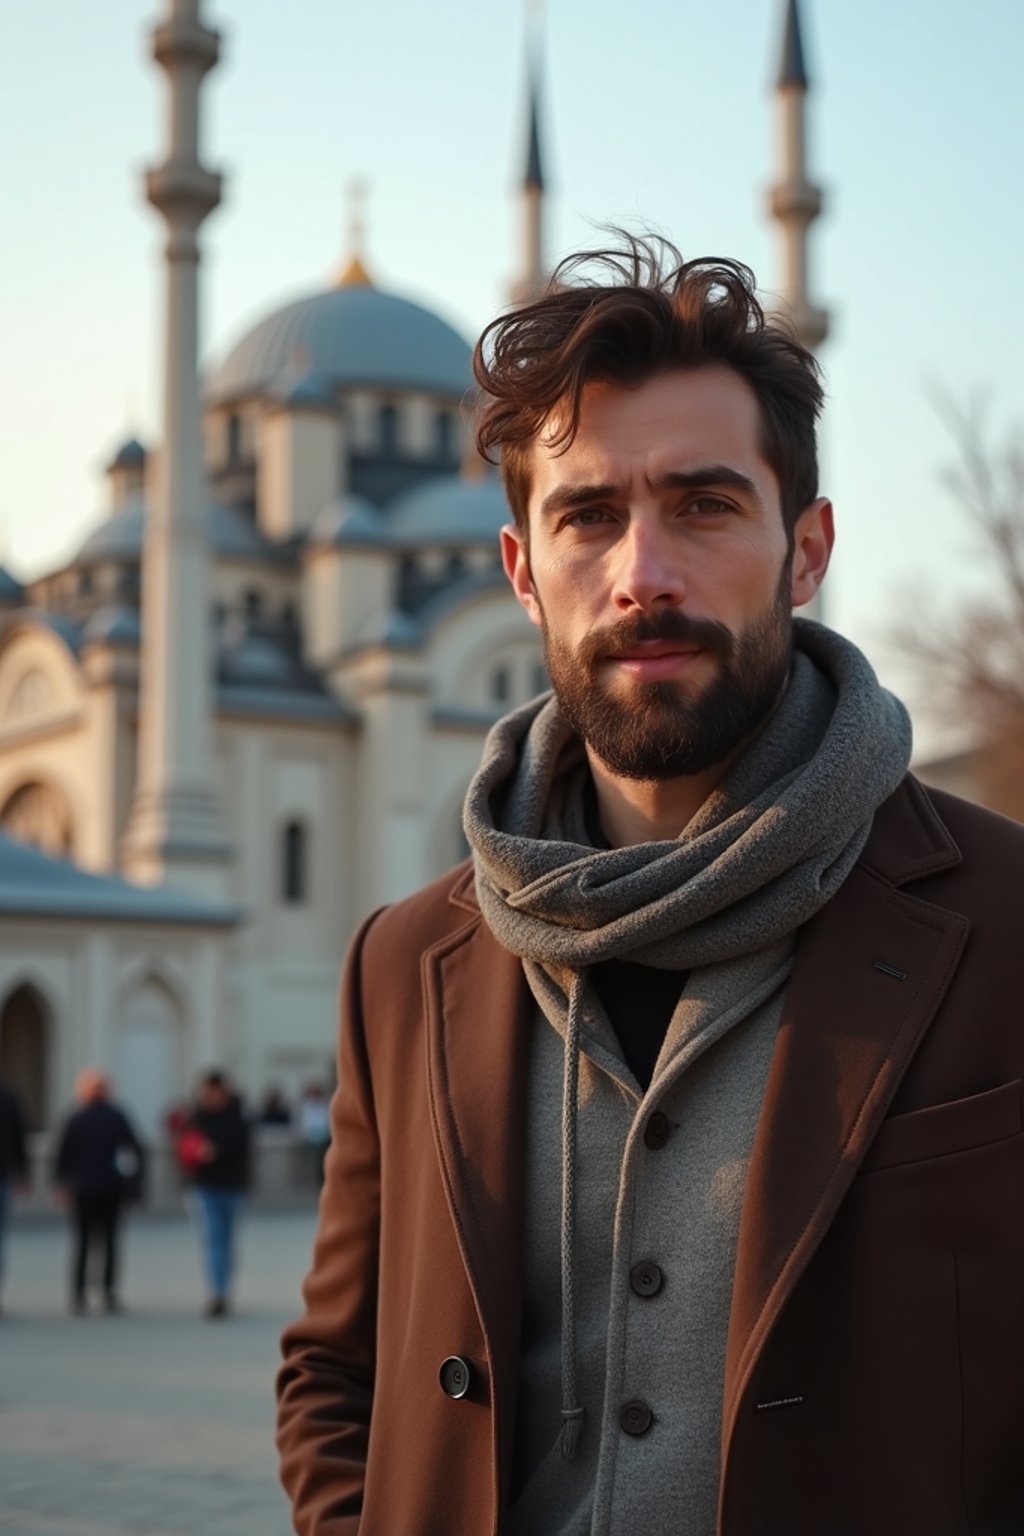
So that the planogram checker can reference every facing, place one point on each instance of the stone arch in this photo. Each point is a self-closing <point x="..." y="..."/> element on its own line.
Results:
<point x="150" y="1051"/>
<point x="26" y="1047"/>
<point x="38" y="813"/>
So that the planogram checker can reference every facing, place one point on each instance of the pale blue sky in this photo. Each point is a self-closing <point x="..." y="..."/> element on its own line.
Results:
<point x="654" y="112"/>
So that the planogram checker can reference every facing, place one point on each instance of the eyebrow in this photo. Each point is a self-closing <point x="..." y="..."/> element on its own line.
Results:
<point x="566" y="497"/>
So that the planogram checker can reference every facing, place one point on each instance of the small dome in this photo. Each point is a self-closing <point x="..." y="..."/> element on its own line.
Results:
<point x="113" y="626"/>
<point x="298" y="389"/>
<point x="391" y="627"/>
<point x="12" y="593"/>
<point x="351" y="336"/>
<point x="130" y="455"/>
<point x="258" y="662"/>
<point x="450" y="511"/>
<point x="119" y="538"/>
<point x="352" y="520"/>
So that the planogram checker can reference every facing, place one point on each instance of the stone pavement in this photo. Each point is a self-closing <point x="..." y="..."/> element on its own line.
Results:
<point x="155" y="1423"/>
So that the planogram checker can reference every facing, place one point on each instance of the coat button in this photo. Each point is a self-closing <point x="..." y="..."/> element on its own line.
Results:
<point x="646" y="1278"/>
<point x="455" y="1376"/>
<point x="657" y="1131"/>
<point x="635" y="1417"/>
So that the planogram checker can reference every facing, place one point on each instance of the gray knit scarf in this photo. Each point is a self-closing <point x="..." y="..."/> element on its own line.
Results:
<point x="769" y="847"/>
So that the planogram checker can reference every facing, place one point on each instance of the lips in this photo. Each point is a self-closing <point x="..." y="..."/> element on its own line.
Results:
<point x="652" y="650"/>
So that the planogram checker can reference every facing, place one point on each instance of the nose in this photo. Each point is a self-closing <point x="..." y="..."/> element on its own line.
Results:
<point x="649" y="573"/>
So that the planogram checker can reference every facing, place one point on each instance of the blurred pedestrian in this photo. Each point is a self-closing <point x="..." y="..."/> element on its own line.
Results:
<point x="99" y="1170"/>
<point x="315" y="1128"/>
<point x="216" y="1150"/>
<point x="13" y="1158"/>
<point x="275" y="1110"/>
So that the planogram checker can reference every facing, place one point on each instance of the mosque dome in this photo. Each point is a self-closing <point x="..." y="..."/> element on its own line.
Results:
<point x="353" y="335"/>
<point x="453" y="510"/>
<point x="119" y="538"/>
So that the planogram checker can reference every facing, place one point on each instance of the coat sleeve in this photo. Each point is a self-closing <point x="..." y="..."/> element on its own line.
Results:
<point x="325" y="1386"/>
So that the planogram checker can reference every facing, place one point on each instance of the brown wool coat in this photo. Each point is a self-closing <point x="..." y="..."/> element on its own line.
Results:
<point x="879" y="1285"/>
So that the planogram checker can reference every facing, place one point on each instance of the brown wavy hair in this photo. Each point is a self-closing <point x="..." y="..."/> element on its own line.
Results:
<point x="624" y="315"/>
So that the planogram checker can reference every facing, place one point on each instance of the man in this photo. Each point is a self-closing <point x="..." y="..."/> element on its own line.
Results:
<point x="98" y="1171"/>
<point x="13" y="1158"/>
<point x="676" y="1176"/>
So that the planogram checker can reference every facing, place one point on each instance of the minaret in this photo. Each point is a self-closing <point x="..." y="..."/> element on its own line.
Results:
<point x="175" y="831"/>
<point x="794" y="201"/>
<point x="533" y="276"/>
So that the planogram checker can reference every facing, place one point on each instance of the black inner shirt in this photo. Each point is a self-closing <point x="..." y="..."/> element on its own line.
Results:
<point x="638" y="999"/>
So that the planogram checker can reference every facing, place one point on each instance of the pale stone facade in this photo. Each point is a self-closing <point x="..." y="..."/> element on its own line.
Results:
<point x="246" y="713"/>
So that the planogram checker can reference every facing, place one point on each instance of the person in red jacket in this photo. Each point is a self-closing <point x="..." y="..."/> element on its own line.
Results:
<point x="215" y="1147"/>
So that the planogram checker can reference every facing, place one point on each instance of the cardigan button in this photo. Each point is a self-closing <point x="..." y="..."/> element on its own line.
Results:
<point x="657" y="1131"/>
<point x="455" y="1376"/>
<point x="646" y="1279"/>
<point x="635" y="1417"/>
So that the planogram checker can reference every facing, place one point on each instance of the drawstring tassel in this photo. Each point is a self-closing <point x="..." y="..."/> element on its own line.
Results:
<point x="572" y="1418"/>
<point x="572" y="1413"/>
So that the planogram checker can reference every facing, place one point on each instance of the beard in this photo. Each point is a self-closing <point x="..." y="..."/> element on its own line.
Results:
<point x="667" y="730"/>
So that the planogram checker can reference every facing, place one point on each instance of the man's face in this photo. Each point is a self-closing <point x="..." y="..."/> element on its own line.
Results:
<point x="660" y="571"/>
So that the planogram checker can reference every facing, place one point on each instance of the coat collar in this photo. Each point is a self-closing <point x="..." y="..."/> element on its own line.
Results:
<point x="871" y="970"/>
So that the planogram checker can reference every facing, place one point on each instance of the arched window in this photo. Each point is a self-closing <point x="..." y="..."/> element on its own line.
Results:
<point x="387" y="426"/>
<point x="253" y="606"/>
<point x="444" y="432"/>
<point x="294" y="874"/>
<point x="234" y="439"/>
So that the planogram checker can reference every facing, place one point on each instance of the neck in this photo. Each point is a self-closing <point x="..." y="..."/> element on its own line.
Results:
<point x="651" y="811"/>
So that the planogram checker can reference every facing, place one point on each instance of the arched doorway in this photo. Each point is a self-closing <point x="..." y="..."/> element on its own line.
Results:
<point x="25" y="1053"/>
<point x="150" y="1075"/>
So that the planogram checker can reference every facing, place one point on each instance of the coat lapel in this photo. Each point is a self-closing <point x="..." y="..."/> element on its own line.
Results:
<point x="477" y="1011"/>
<point x="871" y="970"/>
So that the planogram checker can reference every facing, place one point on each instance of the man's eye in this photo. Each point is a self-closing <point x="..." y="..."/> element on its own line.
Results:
<point x="587" y="517"/>
<point x="709" y="506"/>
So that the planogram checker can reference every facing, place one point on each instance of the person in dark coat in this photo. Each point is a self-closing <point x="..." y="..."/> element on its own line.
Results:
<point x="219" y="1138"/>
<point x="13" y="1158"/>
<point x="99" y="1170"/>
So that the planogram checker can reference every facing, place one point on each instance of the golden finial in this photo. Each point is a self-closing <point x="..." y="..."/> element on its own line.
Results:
<point x="353" y="273"/>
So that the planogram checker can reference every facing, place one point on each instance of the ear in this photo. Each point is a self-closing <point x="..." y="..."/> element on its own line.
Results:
<point x="813" y="537"/>
<point x="516" y="560"/>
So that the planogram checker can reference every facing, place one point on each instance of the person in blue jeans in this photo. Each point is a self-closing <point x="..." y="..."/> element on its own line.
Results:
<point x="220" y="1178"/>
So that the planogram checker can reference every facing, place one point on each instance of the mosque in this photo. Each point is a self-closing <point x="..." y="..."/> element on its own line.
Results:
<point x="245" y="713"/>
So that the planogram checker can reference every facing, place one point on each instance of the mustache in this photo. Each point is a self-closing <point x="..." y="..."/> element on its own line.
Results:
<point x="668" y="626"/>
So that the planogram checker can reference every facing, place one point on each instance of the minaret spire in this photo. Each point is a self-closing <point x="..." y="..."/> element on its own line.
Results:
<point x="794" y="200"/>
<point x="175" y="832"/>
<point x="353" y="273"/>
<point x="532" y="278"/>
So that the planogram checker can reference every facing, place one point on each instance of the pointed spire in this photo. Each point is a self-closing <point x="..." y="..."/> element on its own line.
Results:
<point x="353" y="273"/>
<point x="792" y="69"/>
<point x="534" y="174"/>
<point x="795" y="201"/>
<point x="532" y="278"/>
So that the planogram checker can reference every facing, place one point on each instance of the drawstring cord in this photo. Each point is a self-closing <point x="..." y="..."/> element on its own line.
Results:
<point x="572" y="1412"/>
